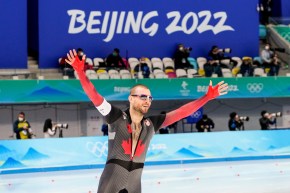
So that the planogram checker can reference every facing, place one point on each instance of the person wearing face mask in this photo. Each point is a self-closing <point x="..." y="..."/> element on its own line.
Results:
<point x="180" y="57"/>
<point x="115" y="61"/>
<point x="67" y="70"/>
<point x="80" y="53"/>
<point x="22" y="128"/>
<point x="267" y="56"/>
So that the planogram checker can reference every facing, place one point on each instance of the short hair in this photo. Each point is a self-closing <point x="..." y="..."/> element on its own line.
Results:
<point x="117" y="50"/>
<point x="138" y="85"/>
<point x="22" y="113"/>
<point x="232" y="115"/>
<point x="263" y="113"/>
<point x="214" y="47"/>
<point x="80" y="50"/>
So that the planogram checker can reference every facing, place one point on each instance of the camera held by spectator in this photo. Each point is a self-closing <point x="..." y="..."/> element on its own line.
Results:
<point x="244" y="118"/>
<point x="188" y="49"/>
<point x="277" y="114"/>
<point x="225" y="50"/>
<point x="62" y="125"/>
<point x="268" y="119"/>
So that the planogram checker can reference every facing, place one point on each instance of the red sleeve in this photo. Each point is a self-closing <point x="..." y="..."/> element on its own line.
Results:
<point x="89" y="89"/>
<point x="191" y="107"/>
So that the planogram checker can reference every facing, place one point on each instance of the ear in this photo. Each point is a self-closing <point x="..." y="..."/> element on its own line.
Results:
<point x="130" y="98"/>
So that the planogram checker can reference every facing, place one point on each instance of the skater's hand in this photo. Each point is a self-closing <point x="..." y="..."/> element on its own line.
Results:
<point x="74" y="60"/>
<point x="220" y="89"/>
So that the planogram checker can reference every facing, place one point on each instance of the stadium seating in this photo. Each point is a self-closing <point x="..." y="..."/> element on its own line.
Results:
<point x="158" y="73"/>
<point x="125" y="74"/>
<point x="193" y="62"/>
<point x="259" y="72"/>
<point x="181" y="73"/>
<point x="114" y="74"/>
<point x="98" y="61"/>
<point x="91" y="74"/>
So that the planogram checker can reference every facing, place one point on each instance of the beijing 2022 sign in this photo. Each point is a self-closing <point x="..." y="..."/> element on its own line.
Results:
<point x="146" y="28"/>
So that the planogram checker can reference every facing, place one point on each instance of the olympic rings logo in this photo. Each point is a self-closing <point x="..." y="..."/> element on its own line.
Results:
<point x="196" y="114"/>
<point x="99" y="149"/>
<point x="255" y="87"/>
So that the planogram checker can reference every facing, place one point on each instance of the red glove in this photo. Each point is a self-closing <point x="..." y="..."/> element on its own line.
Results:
<point x="75" y="62"/>
<point x="213" y="92"/>
<point x="88" y="87"/>
<point x="191" y="107"/>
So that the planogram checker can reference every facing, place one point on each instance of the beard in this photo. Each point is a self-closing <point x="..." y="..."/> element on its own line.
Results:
<point x="142" y="110"/>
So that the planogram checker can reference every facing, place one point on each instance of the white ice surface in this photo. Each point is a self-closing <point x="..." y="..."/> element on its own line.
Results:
<point x="263" y="176"/>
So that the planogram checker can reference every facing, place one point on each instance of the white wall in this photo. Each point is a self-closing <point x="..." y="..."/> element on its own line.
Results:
<point x="76" y="114"/>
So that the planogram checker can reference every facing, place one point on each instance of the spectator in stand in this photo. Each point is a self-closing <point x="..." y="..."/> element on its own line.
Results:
<point x="218" y="55"/>
<point x="142" y="68"/>
<point x="205" y="124"/>
<point x="247" y="67"/>
<point x="180" y="57"/>
<point x="275" y="66"/>
<point x="68" y="69"/>
<point x="115" y="61"/>
<point x="267" y="56"/>
<point x="212" y="67"/>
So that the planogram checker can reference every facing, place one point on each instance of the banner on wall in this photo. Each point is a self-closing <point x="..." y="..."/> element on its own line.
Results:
<point x="51" y="91"/>
<point x="195" y="117"/>
<point x="13" y="35"/>
<point x="146" y="28"/>
<point x="88" y="152"/>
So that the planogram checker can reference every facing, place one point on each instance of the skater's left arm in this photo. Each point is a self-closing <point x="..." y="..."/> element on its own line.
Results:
<point x="213" y="92"/>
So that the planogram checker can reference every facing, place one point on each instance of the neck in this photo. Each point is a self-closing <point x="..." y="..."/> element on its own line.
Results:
<point x="136" y="117"/>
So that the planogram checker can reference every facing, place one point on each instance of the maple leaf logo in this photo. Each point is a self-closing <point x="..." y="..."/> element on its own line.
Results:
<point x="127" y="144"/>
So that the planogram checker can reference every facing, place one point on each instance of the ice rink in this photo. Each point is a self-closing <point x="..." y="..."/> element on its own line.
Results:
<point x="263" y="176"/>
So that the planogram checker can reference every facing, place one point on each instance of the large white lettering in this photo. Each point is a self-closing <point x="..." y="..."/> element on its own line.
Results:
<point x="77" y="16"/>
<point x="122" y="22"/>
<point x="201" y="27"/>
<point x="111" y="23"/>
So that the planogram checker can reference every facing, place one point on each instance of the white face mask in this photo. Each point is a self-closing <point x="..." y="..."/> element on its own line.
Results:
<point x="20" y="119"/>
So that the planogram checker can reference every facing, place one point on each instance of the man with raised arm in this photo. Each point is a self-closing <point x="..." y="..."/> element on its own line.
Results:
<point x="130" y="131"/>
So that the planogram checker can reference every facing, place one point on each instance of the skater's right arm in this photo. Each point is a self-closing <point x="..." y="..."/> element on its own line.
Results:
<point x="100" y="103"/>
